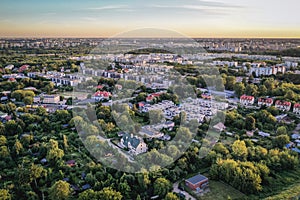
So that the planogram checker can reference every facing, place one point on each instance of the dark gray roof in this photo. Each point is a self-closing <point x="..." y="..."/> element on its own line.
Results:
<point x="134" y="141"/>
<point x="196" y="179"/>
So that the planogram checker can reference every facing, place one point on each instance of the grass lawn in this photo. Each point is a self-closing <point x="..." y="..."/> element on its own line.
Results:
<point x="213" y="134"/>
<point x="221" y="191"/>
<point x="291" y="193"/>
<point x="228" y="140"/>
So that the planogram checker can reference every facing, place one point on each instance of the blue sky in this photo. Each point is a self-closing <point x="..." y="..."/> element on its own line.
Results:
<point x="197" y="18"/>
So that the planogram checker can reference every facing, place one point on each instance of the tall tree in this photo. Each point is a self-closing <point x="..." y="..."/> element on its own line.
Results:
<point x="109" y="194"/>
<point x="239" y="89"/>
<point x="162" y="186"/>
<point x="4" y="194"/>
<point x="60" y="190"/>
<point x="171" y="196"/>
<point x="251" y="89"/>
<point x="250" y="123"/>
<point x="239" y="149"/>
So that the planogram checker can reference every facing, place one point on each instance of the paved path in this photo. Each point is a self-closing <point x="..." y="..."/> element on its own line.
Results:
<point x="177" y="190"/>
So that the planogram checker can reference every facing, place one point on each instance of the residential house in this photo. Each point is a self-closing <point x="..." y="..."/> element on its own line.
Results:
<point x="166" y="137"/>
<point x="23" y="68"/>
<point x="283" y="105"/>
<point x="197" y="182"/>
<point x="36" y="99"/>
<point x="263" y="134"/>
<point x="169" y="124"/>
<point x="150" y="132"/>
<point x="135" y="144"/>
<point x="265" y="102"/>
<point x="219" y="127"/>
<point x="206" y="96"/>
<point x="247" y="100"/>
<point x="3" y="116"/>
<point x="151" y="97"/>
<point x="9" y="67"/>
<point x="295" y="136"/>
<point x="101" y="95"/>
<point x="71" y="163"/>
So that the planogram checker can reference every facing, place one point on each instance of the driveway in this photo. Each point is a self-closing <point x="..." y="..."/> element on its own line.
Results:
<point x="177" y="190"/>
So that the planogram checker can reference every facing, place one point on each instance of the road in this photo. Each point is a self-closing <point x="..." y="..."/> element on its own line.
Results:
<point x="177" y="190"/>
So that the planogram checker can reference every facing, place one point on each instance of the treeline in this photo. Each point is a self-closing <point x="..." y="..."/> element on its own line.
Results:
<point x="247" y="167"/>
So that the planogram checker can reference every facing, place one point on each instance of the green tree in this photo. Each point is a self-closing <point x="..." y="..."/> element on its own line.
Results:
<point x="270" y="85"/>
<point x="230" y="82"/>
<point x="251" y="89"/>
<point x="239" y="149"/>
<point x="28" y="100"/>
<point x="2" y="129"/>
<point x="250" y="123"/>
<point x="281" y="130"/>
<point x="4" y="194"/>
<point x="36" y="172"/>
<point x="60" y="190"/>
<point x="11" y="127"/>
<point x="162" y="186"/>
<point x="155" y="116"/>
<point x="262" y="90"/>
<point x="239" y="89"/>
<point x="281" y="140"/>
<point x="3" y="140"/>
<point x="290" y="95"/>
<point x="18" y="147"/>
<point x="4" y="153"/>
<point x="54" y="153"/>
<point x="88" y="195"/>
<point x="138" y="197"/>
<point x="171" y="196"/>
<point x="109" y="194"/>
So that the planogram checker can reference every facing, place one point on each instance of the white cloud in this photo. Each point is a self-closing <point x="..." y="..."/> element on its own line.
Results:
<point x="109" y="7"/>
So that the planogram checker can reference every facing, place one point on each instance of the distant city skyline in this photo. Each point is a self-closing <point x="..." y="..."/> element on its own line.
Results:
<point x="193" y="18"/>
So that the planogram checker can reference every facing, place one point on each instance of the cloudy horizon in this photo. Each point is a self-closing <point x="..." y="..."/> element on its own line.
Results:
<point x="194" y="18"/>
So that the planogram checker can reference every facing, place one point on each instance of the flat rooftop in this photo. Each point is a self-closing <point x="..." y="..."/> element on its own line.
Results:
<point x="196" y="179"/>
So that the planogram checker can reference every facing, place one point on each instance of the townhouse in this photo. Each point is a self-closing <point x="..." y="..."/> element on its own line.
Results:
<point x="265" y="102"/>
<point x="283" y="105"/>
<point x="246" y="100"/>
<point x="296" y="109"/>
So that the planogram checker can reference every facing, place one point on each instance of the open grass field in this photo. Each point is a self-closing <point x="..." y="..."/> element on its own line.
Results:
<point x="221" y="191"/>
<point x="293" y="192"/>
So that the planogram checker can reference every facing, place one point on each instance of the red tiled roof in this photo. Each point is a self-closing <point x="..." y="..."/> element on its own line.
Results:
<point x="265" y="100"/>
<point x="206" y="96"/>
<point x="102" y="94"/>
<point x="283" y="103"/>
<point x="245" y="97"/>
<point x="156" y="94"/>
<point x="141" y="104"/>
<point x="23" y="68"/>
<point x="297" y="105"/>
<point x="149" y="98"/>
<point x="12" y="79"/>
